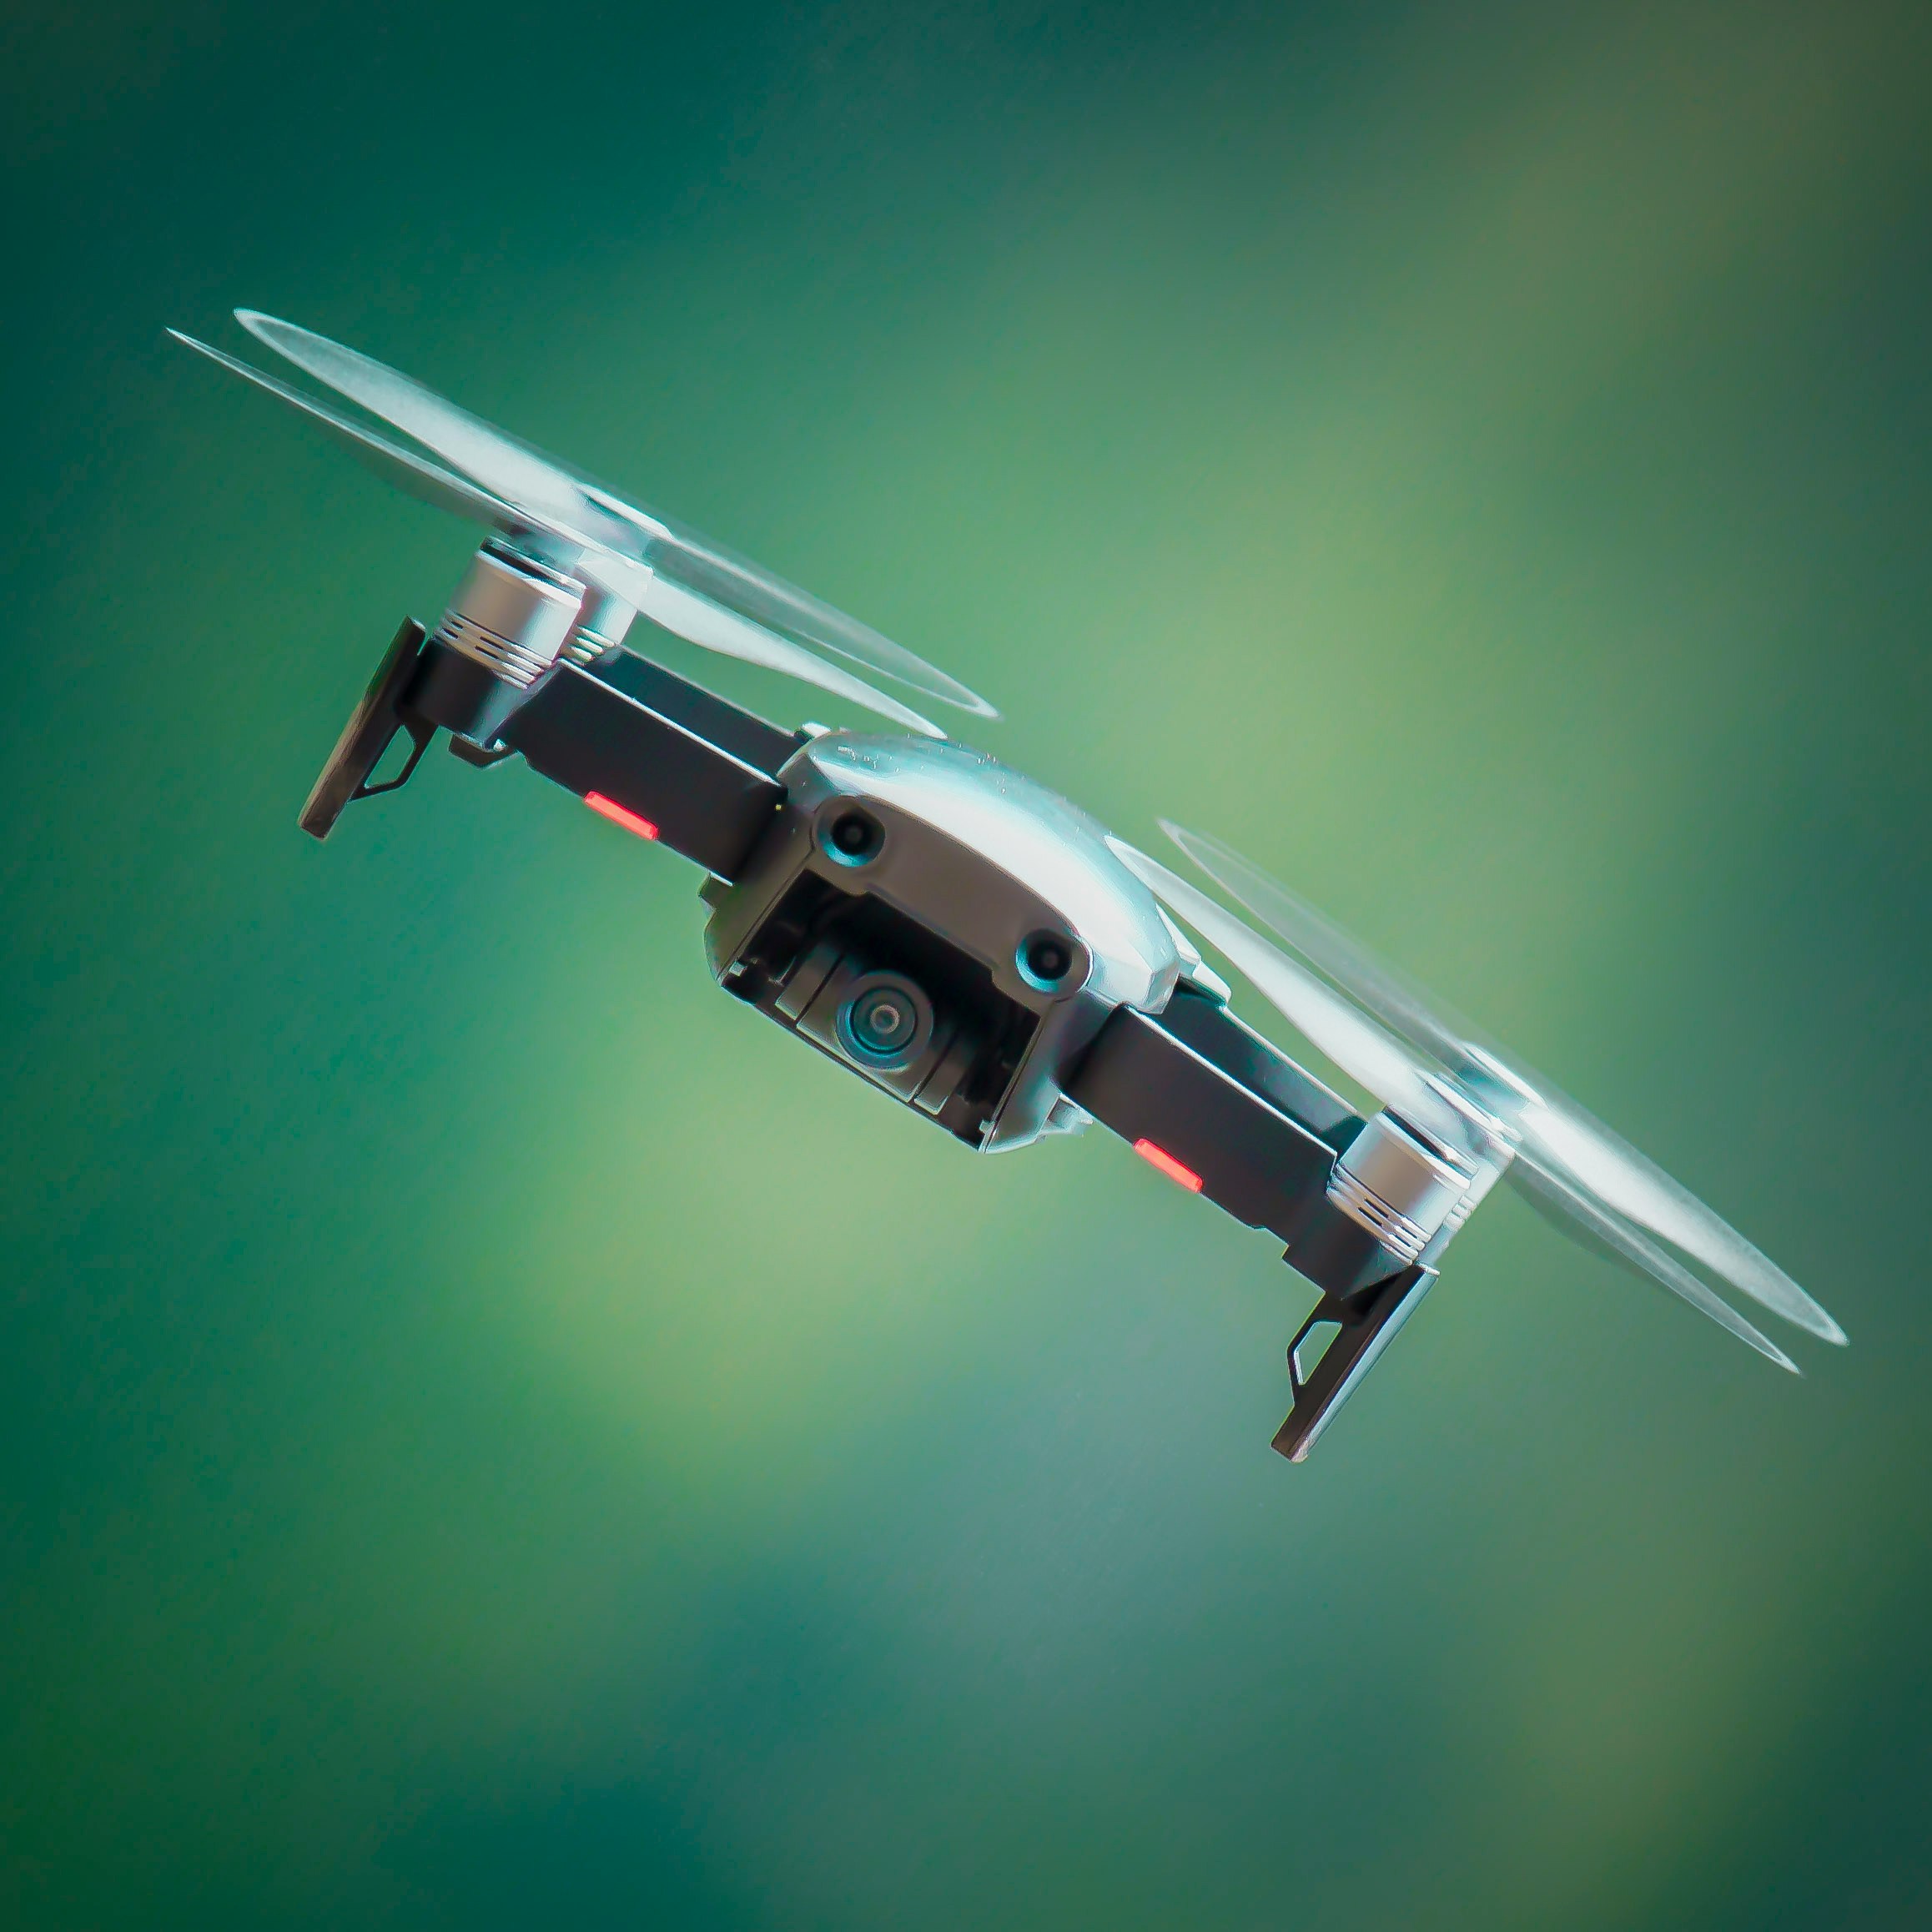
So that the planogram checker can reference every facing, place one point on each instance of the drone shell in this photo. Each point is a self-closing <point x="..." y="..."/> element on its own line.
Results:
<point x="984" y="875"/>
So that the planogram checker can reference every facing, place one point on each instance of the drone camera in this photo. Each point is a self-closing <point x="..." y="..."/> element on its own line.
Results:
<point x="885" y="995"/>
<point x="885" y="1022"/>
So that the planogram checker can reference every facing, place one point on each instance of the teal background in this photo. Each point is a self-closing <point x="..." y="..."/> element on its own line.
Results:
<point x="495" y="1435"/>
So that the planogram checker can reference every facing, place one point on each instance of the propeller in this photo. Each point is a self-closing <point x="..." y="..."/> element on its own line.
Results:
<point x="562" y="539"/>
<point x="1353" y="1041"/>
<point x="518" y="473"/>
<point x="1390" y="1038"/>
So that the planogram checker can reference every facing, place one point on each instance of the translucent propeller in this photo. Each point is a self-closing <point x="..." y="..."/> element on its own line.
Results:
<point x="557" y="532"/>
<point x="1392" y="1039"/>
<point x="519" y="474"/>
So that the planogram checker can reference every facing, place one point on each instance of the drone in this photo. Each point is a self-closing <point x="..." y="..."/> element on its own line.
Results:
<point x="963" y="940"/>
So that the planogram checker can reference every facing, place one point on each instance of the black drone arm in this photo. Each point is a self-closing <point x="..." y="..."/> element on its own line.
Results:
<point x="1259" y="1157"/>
<point x="657" y="760"/>
<point x="1219" y="1108"/>
<point x="669" y="759"/>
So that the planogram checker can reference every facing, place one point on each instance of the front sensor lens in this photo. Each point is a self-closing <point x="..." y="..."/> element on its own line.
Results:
<point x="854" y="838"/>
<point x="1045" y="959"/>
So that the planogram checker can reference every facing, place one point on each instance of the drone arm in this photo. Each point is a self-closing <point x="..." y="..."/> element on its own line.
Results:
<point x="1208" y="1025"/>
<point x="1214" y="1105"/>
<point x="655" y="758"/>
<point x="1153" y="1087"/>
<point x="662" y="756"/>
<point x="730" y="727"/>
<point x="1216" y="1101"/>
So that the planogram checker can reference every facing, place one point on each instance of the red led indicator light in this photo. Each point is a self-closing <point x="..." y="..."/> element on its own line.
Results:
<point x="610" y="808"/>
<point x="1160" y="1158"/>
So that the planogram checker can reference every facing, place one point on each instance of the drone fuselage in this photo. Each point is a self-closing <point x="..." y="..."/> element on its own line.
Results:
<point x="954" y="932"/>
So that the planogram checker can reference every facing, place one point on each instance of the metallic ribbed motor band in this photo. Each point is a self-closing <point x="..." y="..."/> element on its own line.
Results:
<point x="511" y="615"/>
<point x="602" y="625"/>
<point x="587" y="646"/>
<point x="1400" y="1185"/>
<point x="500" y="655"/>
<point x="1396" y="1232"/>
<point x="1488" y="1172"/>
<point x="1490" y="1146"/>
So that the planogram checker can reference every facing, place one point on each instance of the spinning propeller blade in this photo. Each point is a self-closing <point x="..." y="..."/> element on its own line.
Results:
<point x="427" y="482"/>
<point x="562" y="539"/>
<point x="1388" y="1037"/>
<point x="1555" y="1134"/>
<point x="516" y="472"/>
<point x="1558" y="1199"/>
<point x="1354" y="1042"/>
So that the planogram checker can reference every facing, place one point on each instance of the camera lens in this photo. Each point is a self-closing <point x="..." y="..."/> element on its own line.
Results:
<point x="883" y="1020"/>
<point x="885" y="1023"/>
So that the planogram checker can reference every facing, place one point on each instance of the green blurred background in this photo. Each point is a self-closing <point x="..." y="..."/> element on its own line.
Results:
<point x="495" y="1435"/>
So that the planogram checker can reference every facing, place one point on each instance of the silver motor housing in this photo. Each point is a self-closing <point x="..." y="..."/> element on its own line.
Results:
<point x="1400" y="1183"/>
<point x="511" y="614"/>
